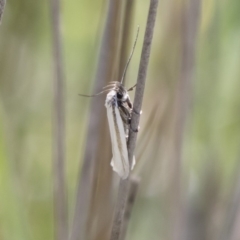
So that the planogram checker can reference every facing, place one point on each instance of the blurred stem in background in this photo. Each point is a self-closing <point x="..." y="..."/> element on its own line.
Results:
<point x="2" y="6"/>
<point x="131" y="197"/>
<point x="127" y="19"/>
<point x="189" y="25"/>
<point x="59" y="173"/>
<point x="94" y="183"/>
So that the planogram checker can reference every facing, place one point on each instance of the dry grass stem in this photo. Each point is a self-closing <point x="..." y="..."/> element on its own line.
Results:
<point x="189" y="26"/>
<point x="60" y="197"/>
<point x="102" y="197"/>
<point x="127" y="26"/>
<point x="132" y="193"/>
<point x="137" y="105"/>
<point x="2" y="6"/>
<point x="91" y="181"/>
<point x="230" y="225"/>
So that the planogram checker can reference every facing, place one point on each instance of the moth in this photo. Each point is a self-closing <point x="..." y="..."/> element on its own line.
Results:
<point x="119" y="113"/>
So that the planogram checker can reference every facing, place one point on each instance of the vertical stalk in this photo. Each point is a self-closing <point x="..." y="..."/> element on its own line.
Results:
<point x="95" y="150"/>
<point x="126" y="33"/>
<point x="137" y="105"/>
<point x="189" y="28"/>
<point x="2" y="6"/>
<point x="132" y="193"/>
<point x="59" y="184"/>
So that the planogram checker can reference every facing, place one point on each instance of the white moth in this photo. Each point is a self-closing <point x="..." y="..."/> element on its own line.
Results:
<point x="119" y="113"/>
<point x="119" y="109"/>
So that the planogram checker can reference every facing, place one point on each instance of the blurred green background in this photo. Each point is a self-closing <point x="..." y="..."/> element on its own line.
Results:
<point x="210" y="146"/>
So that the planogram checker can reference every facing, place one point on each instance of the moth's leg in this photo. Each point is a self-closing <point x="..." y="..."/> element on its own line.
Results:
<point x="129" y="103"/>
<point x="134" y="130"/>
<point x="126" y="116"/>
<point x="125" y="112"/>
<point x="131" y="88"/>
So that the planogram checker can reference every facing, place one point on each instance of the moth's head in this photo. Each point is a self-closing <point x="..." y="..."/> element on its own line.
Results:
<point x="122" y="95"/>
<point x="119" y="95"/>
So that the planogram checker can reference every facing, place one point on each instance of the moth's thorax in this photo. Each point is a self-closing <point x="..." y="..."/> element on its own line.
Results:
<point x="124" y="97"/>
<point x="116" y="97"/>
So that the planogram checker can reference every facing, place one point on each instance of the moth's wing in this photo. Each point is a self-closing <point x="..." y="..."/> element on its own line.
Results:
<point x="120" y="161"/>
<point x="133" y="164"/>
<point x="125" y="116"/>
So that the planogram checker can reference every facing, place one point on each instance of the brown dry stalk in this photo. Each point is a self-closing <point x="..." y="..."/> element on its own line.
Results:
<point x="90" y="183"/>
<point x="102" y="198"/>
<point x="2" y="6"/>
<point x="59" y="184"/>
<point x="189" y="23"/>
<point x="137" y="105"/>
<point x="132" y="193"/>
<point x="127" y="26"/>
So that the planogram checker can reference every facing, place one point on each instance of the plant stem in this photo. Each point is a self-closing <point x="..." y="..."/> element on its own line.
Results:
<point x="2" y="6"/>
<point x="95" y="151"/>
<point x="189" y="23"/>
<point x="137" y="105"/>
<point x="132" y="193"/>
<point x="126" y="30"/>
<point x="60" y="197"/>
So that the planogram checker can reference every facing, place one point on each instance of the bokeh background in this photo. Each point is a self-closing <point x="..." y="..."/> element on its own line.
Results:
<point x="188" y="144"/>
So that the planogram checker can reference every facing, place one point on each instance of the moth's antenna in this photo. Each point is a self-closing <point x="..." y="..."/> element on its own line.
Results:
<point x="126" y="67"/>
<point x="94" y="95"/>
<point x="110" y="86"/>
